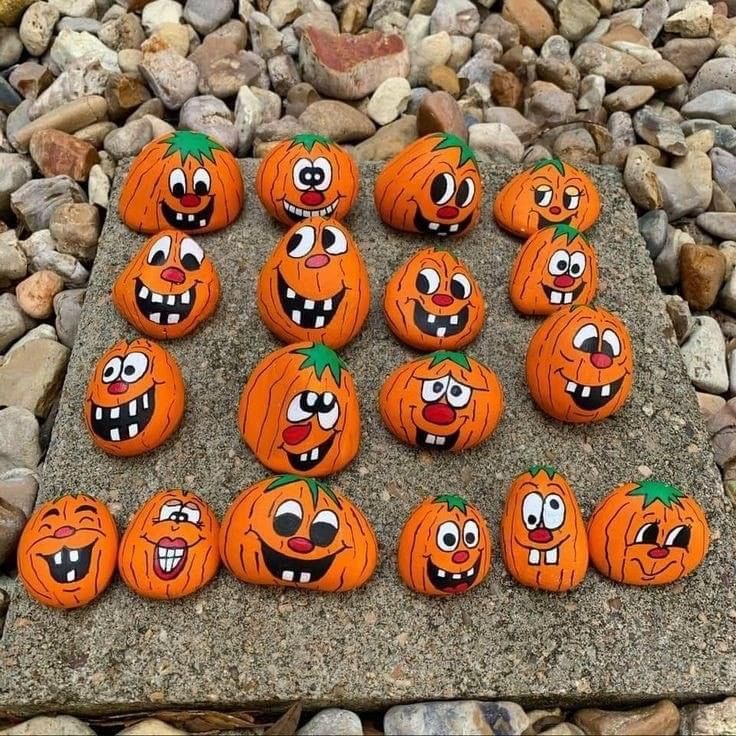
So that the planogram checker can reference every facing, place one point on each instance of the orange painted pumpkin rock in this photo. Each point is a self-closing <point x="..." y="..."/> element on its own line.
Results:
<point x="185" y="180"/>
<point x="555" y="267"/>
<point x="295" y="531"/>
<point x="171" y="546"/>
<point x="442" y="401"/>
<point x="433" y="302"/>
<point x="307" y="176"/>
<point x="445" y="547"/>
<point x="580" y="363"/>
<point x="67" y="551"/>
<point x="169" y="287"/>
<point x="299" y="411"/>
<point x="135" y="398"/>
<point x="432" y="187"/>
<point x="549" y="193"/>
<point x="543" y="538"/>
<point x="314" y="287"/>
<point x="647" y="533"/>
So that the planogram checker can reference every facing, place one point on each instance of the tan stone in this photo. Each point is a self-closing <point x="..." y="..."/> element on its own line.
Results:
<point x="702" y="269"/>
<point x="660" y="719"/>
<point x="534" y="22"/>
<point x="444" y="78"/>
<point x="36" y="293"/>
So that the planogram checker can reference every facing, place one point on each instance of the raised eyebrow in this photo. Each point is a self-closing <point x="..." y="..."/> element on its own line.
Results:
<point x="51" y="512"/>
<point x="86" y="507"/>
<point x="434" y="264"/>
<point x="542" y="177"/>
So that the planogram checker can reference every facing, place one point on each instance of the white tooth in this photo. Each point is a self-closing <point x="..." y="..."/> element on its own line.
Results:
<point x="70" y="576"/>
<point x="454" y="319"/>
<point x="606" y="390"/>
<point x="173" y="319"/>
<point x="568" y="297"/>
<point x="171" y="300"/>
<point x="303" y="457"/>
<point x="290" y="293"/>
<point x="456" y="576"/>
<point x="319" y="321"/>
<point x="143" y="293"/>
<point x="431" y="319"/>
<point x="287" y="575"/>
<point x="170" y="552"/>
<point x="190" y="218"/>
<point x="155" y="317"/>
<point x="550" y="556"/>
<point x="115" y="412"/>
<point x="305" y="577"/>
<point x="555" y="297"/>
<point x="133" y="407"/>
<point x="434" y="226"/>
<point x="296" y="316"/>
<point x="185" y="298"/>
<point x="301" y="212"/>
<point x="585" y="392"/>
<point x="571" y="387"/>
<point x="202" y="223"/>
<point x="98" y="413"/>
<point x="57" y="558"/>
<point x="157" y="298"/>
<point x="470" y="572"/>
<point x="145" y="400"/>
<point x="440" y="441"/>
<point x="453" y="228"/>
<point x="534" y="556"/>
<point x="132" y="431"/>
<point x="73" y="555"/>
<point x="115" y="435"/>
<point x="161" y="552"/>
<point x="430" y="439"/>
<point x="327" y="306"/>
<point x="314" y="454"/>
<point x="179" y="216"/>
<point x="441" y="331"/>
<point x="308" y="304"/>
<point x="441" y="573"/>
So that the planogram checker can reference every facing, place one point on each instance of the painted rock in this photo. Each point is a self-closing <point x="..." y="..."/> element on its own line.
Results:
<point x="579" y="365"/>
<point x="442" y="401"/>
<point x="67" y="551"/>
<point x="432" y="187"/>
<point x="170" y="548"/>
<point x="314" y="287"/>
<point x="307" y="176"/>
<point x="543" y="538"/>
<point x="185" y="180"/>
<point x="555" y="267"/>
<point x="549" y="193"/>
<point x="169" y="287"/>
<point x="299" y="411"/>
<point x="445" y="547"/>
<point x="433" y="302"/>
<point x="295" y="531"/>
<point x="647" y="533"/>
<point x="135" y="398"/>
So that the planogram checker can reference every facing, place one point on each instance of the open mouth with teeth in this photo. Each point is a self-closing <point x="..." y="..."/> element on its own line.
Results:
<point x="451" y="582"/>
<point x="591" y="398"/>
<point x="290" y="570"/>
<point x="544" y="556"/>
<point x="424" y="225"/>
<point x="439" y="325"/>
<point x="299" y="213"/>
<point x="188" y="220"/>
<point x="310" y="313"/>
<point x="164" y="309"/>
<point x="304" y="461"/>
<point x="69" y="565"/>
<point x="123" y="422"/>
<point x="169" y="557"/>
<point x="563" y="297"/>
<point x="436" y="441"/>
<point x="544" y="222"/>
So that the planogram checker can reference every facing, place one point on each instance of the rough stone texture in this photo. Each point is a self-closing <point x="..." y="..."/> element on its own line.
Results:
<point x="717" y="718"/>
<point x="332" y="721"/>
<point x="505" y="639"/>
<point x="660" y="719"/>
<point x="19" y="446"/>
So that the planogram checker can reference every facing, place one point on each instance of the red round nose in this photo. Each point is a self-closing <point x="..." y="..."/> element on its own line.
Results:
<point x="300" y="545"/>
<point x="460" y="556"/>
<point x="173" y="275"/>
<point x="439" y="413"/>
<point x="555" y="210"/>
<point x="296" y="433"/>
<point x="117" y="387"/>
<point x="658" y="552"/>
<point x="317" y="261"/>
<point x="563" y="281"/>
<point x="541" y="535"/>
<point x="64" y="531"/>
<point x="190" y="200"/>
<point x="601" y="360"/>
<point x="447" y="212"/>
<point x="312" y="199"/>
<point x="442" y="300"/>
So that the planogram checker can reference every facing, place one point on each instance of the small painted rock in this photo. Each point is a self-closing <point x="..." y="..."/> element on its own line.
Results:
<point x="314" y="287"/>
<point x="442" y="401"/>
<point x="299" y="411"/>
<point x="432" y="187"/>
<point x="555" y="267"/>
<point x="543" y="538"/>
<point x="549" y="193"/>
<point x="433" y="302"/>
<point x="445" y="547"/>
<point x="170" y="548"/>
<point x="67" y="551"/>
<point x="647" y="533"/>
<point x="307" y="176"/>
<point x="135" y="398"/>
<point x="185" y="180"/>
<point x="169" y="287"/>
<point x="295" y="531"/>
<point x="580" y="363"/>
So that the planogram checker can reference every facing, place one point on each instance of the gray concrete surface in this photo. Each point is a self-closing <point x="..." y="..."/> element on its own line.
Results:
<point x="234" y="644"/>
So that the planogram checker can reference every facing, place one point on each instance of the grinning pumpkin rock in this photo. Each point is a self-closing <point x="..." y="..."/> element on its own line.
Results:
<point x="555" y="267"/>
<point x="314" y="287"/>
<point x="433" y="302"/>
<point x="135" y="398"/>
<point x="442" y="401"/>
<point x="580" y="363"/>
<point x="299" y="411"/>
<point x="307" y="176"/>
<point x="445" y="547"/>
<point x="549" y="193"/>
<point x="432" y="187"/>
<point x="67" y="551"/>
<point x="295" y="531"/>
<point x="647" y="533"/>
<point x="168" y="288"/>
<point x="185" y="180"/>
<point x="543" y="539"/>
<point x="170" y="548"/>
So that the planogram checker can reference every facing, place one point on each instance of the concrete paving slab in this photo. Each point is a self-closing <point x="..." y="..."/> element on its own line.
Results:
<point x="234" y="644"/>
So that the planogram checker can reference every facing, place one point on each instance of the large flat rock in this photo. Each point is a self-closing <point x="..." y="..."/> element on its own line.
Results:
<point x="235" y="644"/>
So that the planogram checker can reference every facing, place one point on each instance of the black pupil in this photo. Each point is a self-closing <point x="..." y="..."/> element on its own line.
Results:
<point x="285" y="525"/>
<point x="457" y="289"/>
<point x="682" y="538"/>
<point x="437" y="387"/>
<point x="456" y="390"/>
<point x="540" y="195"/>
<point x="200" y="187"/>
<point x="590" y="345"/>
<point x="574" y="269"/>
<point x="179" y="516"/>
<point x="128" y="370"/>
<point x="422" y="284"/>
<point x="531" y="519"/>
<point x="320" y="404"/>
<point x="189" y="262"/>
<point x="178" y="190"/>
<point x="158" y="258"/>
<point x="561" y="265"/>
<point x="294" y="242"/>
<point x="449" y="539"/>
<point x="328" y="238"/>
<point x="554" y="503"/>
<point x="567" y="200"/>
<point x="470" y="538"/>
<point x="463" y="192"/>
<point x="322" y="533"/>
<point x="438" y="190"/>
<point x="651" y="534"/>
<point x="311" y="176"/>
<point x="109" y="371"/>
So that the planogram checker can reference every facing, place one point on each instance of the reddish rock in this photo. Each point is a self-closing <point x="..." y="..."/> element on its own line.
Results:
<point x="439" y="112"/>
<point x="534" y="22"/>
<point x="30" y="79"/>
<point x="124" y="94"/>
<point x="702" y="269"/>
<point x="507" y="89"/>
<point x="57" y="153"/>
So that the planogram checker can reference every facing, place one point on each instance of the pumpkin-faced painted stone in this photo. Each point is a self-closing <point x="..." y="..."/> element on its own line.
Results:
<point x="314" y="287"/>
<point x="67" y="551"/>
<point x="169" y="287"/>
<point x="543" y="538"/>
<point x="445" y="547"/>
<point x="433" y="302"/>
<point x="185" y="180"/>
<point x="579" y="365"/>
<point x="307" y="176"/>
<point x="647" y="533"/>
<point x="549" y="193"/>
<point x="299" y="411"/>
<point x="442" y="401"/>
<point x="555" y="267"/>
<point x="135" y="398"/>
<point x="432" y="187"/>
<point x="295" y="531"/>
<point x="170" y="548"/>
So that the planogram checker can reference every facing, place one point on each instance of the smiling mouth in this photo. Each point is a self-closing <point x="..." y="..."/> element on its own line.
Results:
<point x="438" y="325"/>
<point x="451" y="582"/>
<point x="69" y="565"/>
<point x="309" y="313"/>
<point x="544" y="222"/>
<point x="563" y="297"/>
<point x="169" y="556"/>
<point x="117" y="423"/>
<point x="551" y="556"/>
<point x="591" y="398"/>
<point x="424" y="225"/>
<point x="166" y="309"/>
<point x="188" y="220"/>
<point x="436" y="441"/>
<point x="299" y="213"/>
<point x="291" y="570"/>
<point x="307" y="460"/>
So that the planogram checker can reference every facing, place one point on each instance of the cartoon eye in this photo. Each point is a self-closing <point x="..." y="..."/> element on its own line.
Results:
<point x="301" y="242"/>
<point x="324" y="528"/>
<point x="647" y="534"/>
<point x="334" y="241"/>
<point x="471" y="534"/>
<point x="288" y="518"/>
<point x="321" y="174"/>
<point x="571" y="198"/>
<point x="448" y="536"/>
<point x="434" y="388"/>
<point x="169" y="509"/>
<point x="111" y="371"/>
<point x="458" y="395"/>
<point x="190" y="513"/>
<point x="301" y="407"/>
<point x="135" y="366"/>
<point x="543" y="195"/>
<point x="586" y="338"/>
<point x="330" y="411"/>
<point x="191" y="254"/>
<point x="465" y="193"/>
<point x="428" y="281"/>
<point x="177" y="183"/>
<point x="553" y="512"/>
<point x="201" y="181"/>
<point x="559" y="263"/>
<point x="159" y="251"/>
<point x="531" y="509"/>
<point x="678" y="537"/>
<point x="460" y="286"/>
<point x="302" y="174"/>
<point x="611" y="344"/>
<point x="577" y="264"/>
<point x="442" y="188"/>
